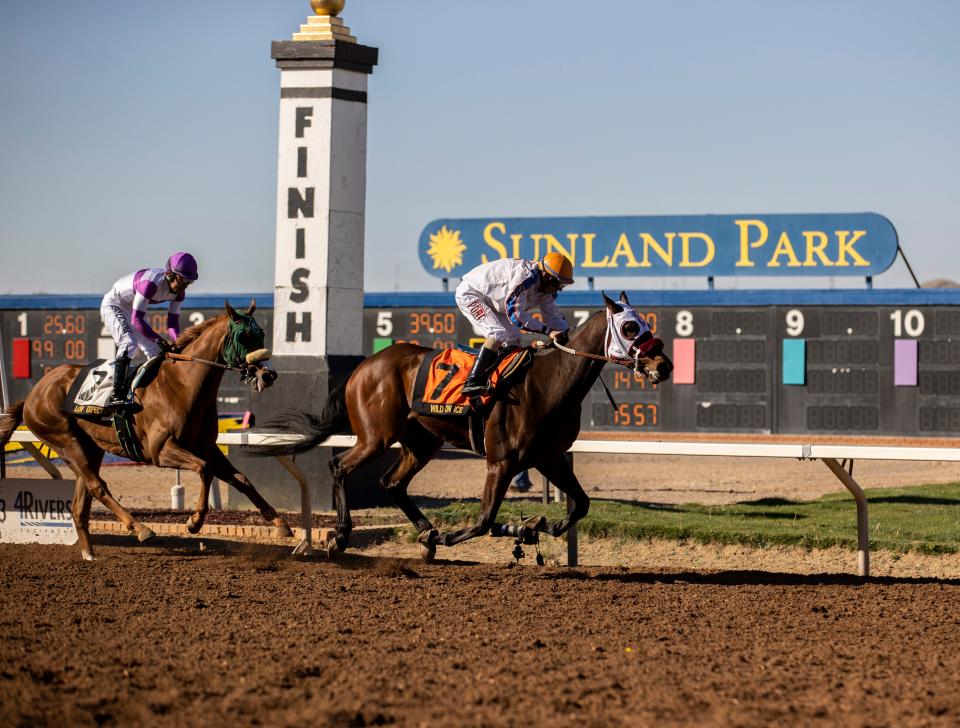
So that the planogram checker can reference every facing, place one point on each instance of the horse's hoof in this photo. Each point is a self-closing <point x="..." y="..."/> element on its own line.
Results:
<point x="332" y="548"/>
<point x="86" y="555"/>
<point x="428" y="547"/>
<point x="536" y="523"/>
<point x="193" y="527"/>
<point x="427" y="553"/>
<point x="144" y="533"/>
<point x="283" y="530"/>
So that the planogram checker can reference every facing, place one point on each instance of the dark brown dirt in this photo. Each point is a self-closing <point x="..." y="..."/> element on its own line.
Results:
<point x="239" y="634"/>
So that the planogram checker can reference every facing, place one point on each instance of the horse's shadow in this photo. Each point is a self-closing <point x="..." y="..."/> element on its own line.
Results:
<point x="264" y="557"/>
<point x="744" y="578"/>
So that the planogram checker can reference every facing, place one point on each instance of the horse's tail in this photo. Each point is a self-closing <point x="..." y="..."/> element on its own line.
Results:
<point x="313" y="428"/>
<point x="9" y="421"/>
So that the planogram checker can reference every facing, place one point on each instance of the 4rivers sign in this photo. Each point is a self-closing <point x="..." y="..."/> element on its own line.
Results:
<point x="36" y="511"/>
<point x="829" y="244"/>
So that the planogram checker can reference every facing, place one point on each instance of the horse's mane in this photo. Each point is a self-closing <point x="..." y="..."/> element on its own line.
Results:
<point x="195" y="332"/>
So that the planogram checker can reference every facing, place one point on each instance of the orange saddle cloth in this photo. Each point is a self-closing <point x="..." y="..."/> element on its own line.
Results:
<point x="439" y="386"/>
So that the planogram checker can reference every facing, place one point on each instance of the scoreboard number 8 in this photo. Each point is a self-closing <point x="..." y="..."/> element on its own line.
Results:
<point x="684" y="325"/>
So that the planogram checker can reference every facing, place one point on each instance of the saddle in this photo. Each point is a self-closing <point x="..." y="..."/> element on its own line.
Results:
<point x="438" y="389"/>
<point x="89" y="393"/>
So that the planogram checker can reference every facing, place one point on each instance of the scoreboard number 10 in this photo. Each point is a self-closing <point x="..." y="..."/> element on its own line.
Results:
<point x="910" y="322"/>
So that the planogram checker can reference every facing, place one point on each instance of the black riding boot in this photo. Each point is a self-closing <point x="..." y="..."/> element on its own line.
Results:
<point x="118" y="400"/>
<point x="477" y="380"/>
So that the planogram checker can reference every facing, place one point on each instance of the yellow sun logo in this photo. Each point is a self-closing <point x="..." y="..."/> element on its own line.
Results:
<point x="446" y="249"/>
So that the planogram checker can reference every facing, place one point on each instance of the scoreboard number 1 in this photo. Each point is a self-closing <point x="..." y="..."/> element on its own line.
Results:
<point x="912" y="322"/>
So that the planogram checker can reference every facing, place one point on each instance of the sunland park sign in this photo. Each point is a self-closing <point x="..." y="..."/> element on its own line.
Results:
<point x="834" y="244"/>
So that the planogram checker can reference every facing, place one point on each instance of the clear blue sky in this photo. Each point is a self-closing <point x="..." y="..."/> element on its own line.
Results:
<point x="132" y="129"/>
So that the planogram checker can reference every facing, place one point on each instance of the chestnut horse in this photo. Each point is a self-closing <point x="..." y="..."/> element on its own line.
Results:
<point x="177" y="426"/>
<point x="531" y="427"/>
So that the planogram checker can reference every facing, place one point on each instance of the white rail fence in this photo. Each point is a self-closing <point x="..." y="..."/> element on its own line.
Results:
<point x="831" y="455"/>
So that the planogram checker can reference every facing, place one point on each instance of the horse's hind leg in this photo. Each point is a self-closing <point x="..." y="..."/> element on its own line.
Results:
<point x="418" y="448"/>
<point x="84" y="459"/>
<point x="341" y="467"/>
<point x="559" y="472"/>
<point x="80" y="510"/>
<point x="224" y="469"/>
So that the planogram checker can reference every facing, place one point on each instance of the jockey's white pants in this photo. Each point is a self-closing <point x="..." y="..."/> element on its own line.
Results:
<point x="485" y="318"/>
<point x="117" y="320"/>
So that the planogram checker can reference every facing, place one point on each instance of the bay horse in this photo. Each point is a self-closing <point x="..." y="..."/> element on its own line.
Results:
<point x="177" y="425"/>
<point x="532" y="427"/>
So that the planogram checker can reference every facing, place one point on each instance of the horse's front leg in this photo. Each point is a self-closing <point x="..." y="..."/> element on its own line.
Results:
<point x="498" y="480"/>
<point x="224" y="469"/>
<point x="195" y="522"/>
<point x="560" y="473"/>
<point x="174" y="455"/>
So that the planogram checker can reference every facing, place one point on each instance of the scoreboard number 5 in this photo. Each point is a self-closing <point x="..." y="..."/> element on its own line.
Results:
<point x="910" y="322"/>
<point x="384" y="323"/>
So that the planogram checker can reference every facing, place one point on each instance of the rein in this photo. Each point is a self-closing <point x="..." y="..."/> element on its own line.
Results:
<point x="198" y="360"/>
<point x="598" y="357"/>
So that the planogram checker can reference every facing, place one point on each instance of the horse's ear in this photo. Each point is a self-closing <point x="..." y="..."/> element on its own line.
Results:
<point x="623" y="298"/>
<point x="610" y="303"/>
<point x="252" y="307"/>
<point x="234" y="316"/>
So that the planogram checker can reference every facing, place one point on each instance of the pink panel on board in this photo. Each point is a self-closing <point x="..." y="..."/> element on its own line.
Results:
<point x="684" y="361"/>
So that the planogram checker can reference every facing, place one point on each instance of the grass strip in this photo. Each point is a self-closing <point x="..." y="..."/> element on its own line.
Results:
<point x="923" y="519"/>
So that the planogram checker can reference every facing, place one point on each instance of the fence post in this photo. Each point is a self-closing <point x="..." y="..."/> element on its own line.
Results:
<point x="572" y="550"/>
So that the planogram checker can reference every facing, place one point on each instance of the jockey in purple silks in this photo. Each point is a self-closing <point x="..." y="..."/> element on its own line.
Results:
<point x="124" y="311"/>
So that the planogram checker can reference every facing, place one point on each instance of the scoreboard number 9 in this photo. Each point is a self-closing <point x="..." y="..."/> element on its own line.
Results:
<point x="794" y="322"/>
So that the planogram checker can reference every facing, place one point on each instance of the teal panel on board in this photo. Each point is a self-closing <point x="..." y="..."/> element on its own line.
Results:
<point x="794" y="361"/>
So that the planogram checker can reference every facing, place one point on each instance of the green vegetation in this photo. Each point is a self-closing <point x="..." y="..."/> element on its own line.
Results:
<point x="924" y="519"/>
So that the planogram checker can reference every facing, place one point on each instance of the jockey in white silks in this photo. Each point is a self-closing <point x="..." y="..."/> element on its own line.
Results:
<point x="124" y="311"/>
<point x="497" y="298"/>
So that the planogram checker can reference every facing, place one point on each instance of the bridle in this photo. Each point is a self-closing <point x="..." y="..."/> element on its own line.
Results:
<point x="618" y="340"/>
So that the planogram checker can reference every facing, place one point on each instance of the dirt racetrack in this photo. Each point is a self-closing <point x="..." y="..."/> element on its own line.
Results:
<point x="241" y="634"/>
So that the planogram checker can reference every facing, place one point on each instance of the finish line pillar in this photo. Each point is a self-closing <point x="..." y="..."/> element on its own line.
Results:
<point x="321" y="204"/>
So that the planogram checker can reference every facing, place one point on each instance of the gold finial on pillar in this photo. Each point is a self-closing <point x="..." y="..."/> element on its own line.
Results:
<point x="325" y="25"/>
<point x="327" y="7"/>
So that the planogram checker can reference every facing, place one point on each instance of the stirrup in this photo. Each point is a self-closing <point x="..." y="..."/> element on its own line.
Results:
<point x="477" y="389"/>
<point x="116" y="406"/>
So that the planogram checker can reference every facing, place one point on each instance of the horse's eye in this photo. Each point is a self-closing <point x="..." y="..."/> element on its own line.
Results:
<point x="630" y="330"/>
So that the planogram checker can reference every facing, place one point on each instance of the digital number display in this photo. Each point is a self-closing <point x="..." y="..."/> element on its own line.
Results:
<point x="732" y="417"/>
<point x="838" y="417"/>
<point x="627" y="414"/>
